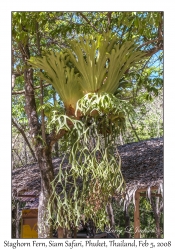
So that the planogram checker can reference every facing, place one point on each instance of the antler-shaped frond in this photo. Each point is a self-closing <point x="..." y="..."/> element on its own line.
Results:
<point x="65" y="81"/>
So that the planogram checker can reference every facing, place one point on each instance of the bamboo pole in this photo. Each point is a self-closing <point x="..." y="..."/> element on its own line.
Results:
<point x="137" y="216"/>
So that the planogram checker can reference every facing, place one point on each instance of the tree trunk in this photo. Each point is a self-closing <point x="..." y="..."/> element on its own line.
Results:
<point x="127" y="223"/>
<point x="111" y="216"/>
<point x="45" y="229"/>
<point x="25" y="152"/>
<point x="42" y="151"/>
<point x="56" y="149"/>
<point x="14" y="215"/>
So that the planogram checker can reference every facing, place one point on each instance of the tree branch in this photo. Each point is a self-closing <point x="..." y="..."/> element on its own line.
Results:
<point x="160" y="29"/>
<point x="17" y="125"/>
<point x="41" y="84"/>
<point x="13" y="143"/>
<point x="159" y="40"/>
<point x="109" y="20"/>
<point x="14" y="75"/>
<point x="149" y="42"/>
<point x="18" y="156"/>
<point x="154" y="50"/>
<point x="133" y="129"/>
<point x="85" y="18"/>
<point x="20" y="92"/>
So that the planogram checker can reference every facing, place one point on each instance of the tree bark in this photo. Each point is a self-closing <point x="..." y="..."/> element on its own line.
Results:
<point x="127" y="223"/>
<point x="42" y="150"/>
<point x="111" y="216"/>
<point x="41" y="84"/>
<point x="45" y="229"/>
<point x="43" y="154"/>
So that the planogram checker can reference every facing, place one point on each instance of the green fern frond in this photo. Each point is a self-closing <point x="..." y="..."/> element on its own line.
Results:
<point x="102" y="62"/>
<point x="63" y="78"/>
<point x="99" y="60"/>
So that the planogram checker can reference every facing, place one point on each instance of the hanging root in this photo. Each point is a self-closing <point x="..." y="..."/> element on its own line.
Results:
<point x="93" y="173"/>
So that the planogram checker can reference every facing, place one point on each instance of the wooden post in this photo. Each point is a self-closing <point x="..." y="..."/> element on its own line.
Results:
<point x="60" y="232"/>
<point x="75" y="232"/>
<point x="137" y="216"/>
<point x="17" y="220"/>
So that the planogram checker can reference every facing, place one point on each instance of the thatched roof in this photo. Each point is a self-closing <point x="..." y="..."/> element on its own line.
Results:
<point x="142" y="168"/>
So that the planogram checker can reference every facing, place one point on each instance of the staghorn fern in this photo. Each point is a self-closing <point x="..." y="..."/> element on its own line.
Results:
<point x="86" y="76"/>
<point x="99" y="60"/>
